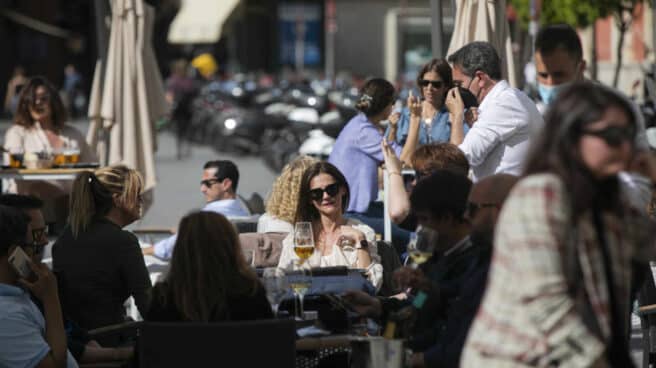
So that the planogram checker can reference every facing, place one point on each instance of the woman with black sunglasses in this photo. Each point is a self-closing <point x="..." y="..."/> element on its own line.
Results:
<point x="568" y="247"/>
<point x="323" y="197"/>
<point x="434" y="80"/>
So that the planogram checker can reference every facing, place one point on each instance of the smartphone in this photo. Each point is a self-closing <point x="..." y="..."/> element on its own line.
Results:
<point x="19" y="261"/>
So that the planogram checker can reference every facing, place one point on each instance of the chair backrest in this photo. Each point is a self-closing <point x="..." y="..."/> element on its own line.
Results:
<point x="267" y="247"/>
<point x="265" y="343"/>
<point x="390" y="261"/>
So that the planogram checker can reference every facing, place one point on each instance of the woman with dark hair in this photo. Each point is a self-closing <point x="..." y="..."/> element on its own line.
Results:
<point x="434" y="80"/>
<point x="567" y="245"/>
<point x="339" y="241"/>
<point x="357" y="152"/>
<point x="209" y="279"/>
<point x="40" y="127"/>
<point x="100" y="263"/>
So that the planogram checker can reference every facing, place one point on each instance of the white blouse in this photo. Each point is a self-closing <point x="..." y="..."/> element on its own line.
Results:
<point x="339" y="256"/>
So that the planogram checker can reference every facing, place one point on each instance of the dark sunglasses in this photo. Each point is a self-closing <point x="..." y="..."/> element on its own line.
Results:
<point x="317" y="193"/>
<point x="473" y="208"/>
<point x="614" y="136"/>
<point x="209" y="182"/>
<point x="435" y="84"/>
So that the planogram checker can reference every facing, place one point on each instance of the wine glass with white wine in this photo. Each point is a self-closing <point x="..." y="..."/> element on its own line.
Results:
<point x="303" y="241"/>
<point x="301" y="281"/>
<point x="421" y="246"/>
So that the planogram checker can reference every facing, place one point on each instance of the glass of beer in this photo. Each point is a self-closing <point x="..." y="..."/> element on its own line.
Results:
<point x="59" y="158"/>
<point x="16" y="158"/>
<point x="72" y="153"/>
<point x="421" y="246"/>
<point x="303" y="241"/>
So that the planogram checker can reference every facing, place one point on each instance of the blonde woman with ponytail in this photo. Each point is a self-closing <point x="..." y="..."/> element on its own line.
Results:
<point x="100" y="263"/>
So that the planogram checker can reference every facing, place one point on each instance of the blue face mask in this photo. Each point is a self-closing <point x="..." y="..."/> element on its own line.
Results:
<point x="549" y="93"/>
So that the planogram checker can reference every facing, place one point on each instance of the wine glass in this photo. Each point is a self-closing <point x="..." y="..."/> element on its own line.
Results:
<point x="421" y="246"/>
<point x="303" y="241"/>
<point x="276" y="285"/>
<point x="300" y="282"/>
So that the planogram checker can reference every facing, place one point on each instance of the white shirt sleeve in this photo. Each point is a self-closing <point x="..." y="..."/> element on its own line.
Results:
<point x="164" y="247"/>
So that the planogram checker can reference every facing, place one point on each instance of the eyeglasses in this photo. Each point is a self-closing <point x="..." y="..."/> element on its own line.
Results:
<point x="434" y="83"/>
<point x="317" y="193"/>
<point x="473" y="208"/>
<point x="38" y="99"/>
<point x="209" y="182"/>
<point x="614" y="136"/>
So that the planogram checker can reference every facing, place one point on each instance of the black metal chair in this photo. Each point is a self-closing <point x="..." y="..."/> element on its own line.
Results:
<point x="647" y="313"/>
<point x="265" y="343"/>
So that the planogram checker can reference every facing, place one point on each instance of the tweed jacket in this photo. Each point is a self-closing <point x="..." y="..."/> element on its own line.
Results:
<point x="529" y="316"/>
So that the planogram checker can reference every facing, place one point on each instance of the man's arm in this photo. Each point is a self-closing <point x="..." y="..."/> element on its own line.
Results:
<point x="45" y="289"/>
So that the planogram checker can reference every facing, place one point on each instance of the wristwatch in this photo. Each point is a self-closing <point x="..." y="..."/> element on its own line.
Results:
<point x="362" y="244"/>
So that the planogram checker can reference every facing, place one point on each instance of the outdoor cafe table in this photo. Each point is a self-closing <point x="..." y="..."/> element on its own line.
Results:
<point x="40" y="174"/>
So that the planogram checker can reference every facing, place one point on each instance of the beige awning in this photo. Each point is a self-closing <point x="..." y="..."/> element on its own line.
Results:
<point x="484" y="20"/>
<point x="128" y="93"/>
<point x="200" y="21"/>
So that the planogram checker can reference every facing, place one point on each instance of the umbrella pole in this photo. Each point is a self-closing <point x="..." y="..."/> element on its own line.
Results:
<point x="437" y="33"/>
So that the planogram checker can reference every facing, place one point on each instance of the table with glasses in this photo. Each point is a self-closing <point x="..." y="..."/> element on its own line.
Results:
<point x="40" y="174"/>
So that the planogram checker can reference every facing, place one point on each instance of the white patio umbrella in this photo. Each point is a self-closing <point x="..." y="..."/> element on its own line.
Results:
<point x="484" y="20"/>
<point x="127" y="94"/>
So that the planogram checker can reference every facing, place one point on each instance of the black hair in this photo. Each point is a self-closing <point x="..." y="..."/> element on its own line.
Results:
<point x="443" y="193"/>
<point x="20" y="201"/>
<point x="559" y="36"/>
<point x="476" y="56"/>
<point x="305" y="210"/>
<point x="375" y="96"/>
<point x="225" y="169"/>
<point x="439" y="66"/>
<point x="13" y="228"/>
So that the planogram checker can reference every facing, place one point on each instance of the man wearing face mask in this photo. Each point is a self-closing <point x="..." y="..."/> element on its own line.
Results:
<point x="559" y="63"/>
<point x="507" y="118"/>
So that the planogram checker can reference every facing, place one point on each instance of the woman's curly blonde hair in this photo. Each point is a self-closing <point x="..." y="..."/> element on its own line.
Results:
<point x="283" y="199"/>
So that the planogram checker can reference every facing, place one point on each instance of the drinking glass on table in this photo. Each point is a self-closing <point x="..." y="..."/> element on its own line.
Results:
<point x="72" y="153"/>
<point x="421" y="246"/>
<point x="303" y="241"/>
<point x="276" y="285"/>
<point x="300" y="282"/>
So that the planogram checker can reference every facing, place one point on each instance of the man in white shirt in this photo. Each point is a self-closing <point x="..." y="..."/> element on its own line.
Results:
<point x="499" y="140"/>
<point x="219" y="186"/>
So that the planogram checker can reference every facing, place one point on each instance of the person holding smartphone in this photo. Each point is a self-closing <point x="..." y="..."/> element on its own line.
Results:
<point x="434" y="80"/>
<point x="28" y="338"/>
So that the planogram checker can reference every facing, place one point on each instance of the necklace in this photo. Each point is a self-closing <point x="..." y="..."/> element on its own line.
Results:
<point x="428" y="120"/>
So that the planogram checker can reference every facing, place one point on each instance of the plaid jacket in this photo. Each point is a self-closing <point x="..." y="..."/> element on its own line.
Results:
<point x="527" y="316"/>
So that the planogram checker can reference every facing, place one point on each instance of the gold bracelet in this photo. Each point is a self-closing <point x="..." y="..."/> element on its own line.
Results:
<point x="394" y="173"/>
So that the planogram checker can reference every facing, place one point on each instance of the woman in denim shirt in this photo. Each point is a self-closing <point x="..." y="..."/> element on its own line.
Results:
<point x="434" y="80"/>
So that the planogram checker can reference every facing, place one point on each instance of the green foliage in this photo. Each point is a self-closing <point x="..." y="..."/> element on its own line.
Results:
<point x="577" y="13"/>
